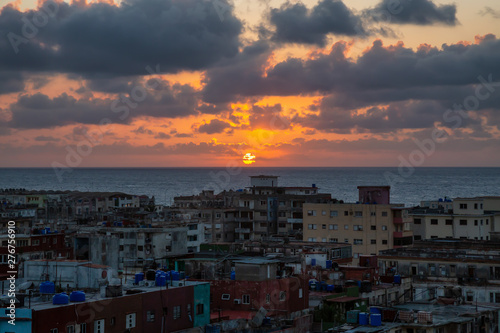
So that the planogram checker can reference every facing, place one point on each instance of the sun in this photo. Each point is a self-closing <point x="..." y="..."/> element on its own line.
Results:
<point x="249" y="158"/>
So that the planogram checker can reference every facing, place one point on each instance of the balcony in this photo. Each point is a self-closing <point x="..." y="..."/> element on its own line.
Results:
<point x="242" y="230"/>
<point x="290" y="220"/>
<point x="401" y="234"/>
<point x="397" y="220"/>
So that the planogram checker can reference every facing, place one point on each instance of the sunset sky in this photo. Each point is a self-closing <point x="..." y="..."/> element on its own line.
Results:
<point x="167" y="83"/>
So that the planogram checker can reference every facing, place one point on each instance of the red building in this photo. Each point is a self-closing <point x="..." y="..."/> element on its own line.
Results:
<point x="28" y="247"/>
<point x="176" y="308"/>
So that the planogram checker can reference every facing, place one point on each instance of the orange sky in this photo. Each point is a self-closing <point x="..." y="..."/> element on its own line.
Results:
<point x="280" y="130"/>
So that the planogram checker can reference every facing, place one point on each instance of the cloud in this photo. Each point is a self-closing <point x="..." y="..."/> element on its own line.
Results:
<point x="101" y="38"/>
<point x="40" y="111"/>
<point x="294" y="23"/>
<point x="418" y="12"/>
<point x="489" y="11"/>
<point x="46" y="138"/>
<point x="214" y="126"/>
<point x="394" y="68"/>
<point x="162" y="135"/>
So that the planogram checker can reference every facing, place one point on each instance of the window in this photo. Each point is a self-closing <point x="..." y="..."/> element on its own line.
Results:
<point x="417" y="221"/>
<point x="300" y="293"/>
<point x="384" y="227"/>
<point x="37" y="242"/>
<point x="323" y="226"/>
<point x="384" y="241"/>
<point x="311" y="213"/>
<point x="99" y="325"/>
<point x="346" y="240"/>
<point x="311" y="239"/>
<point x="268" y="298"/>
<point x="373" y="214"/>
<point x="150" y="316"/>
<point x="358" y="241"/>
<point x="475" y="206"/>
<point x="130" y="320"/>
<point x="358" y="213"/>
<point x="112" y="321"/>
<point x="449" y="222"/>
<point x="140" y="248"/>
<point x="346" y="213"/>
<point x="373" y="241"/>
<point x="334" y="240"/>
<point x="463" y="206"/>
<point x="333" y="227"/>
<point x="246" y="299"/>
<point x="470" y="296"/>
<point x="463" y="222"/>
<point x="282" y="296"/>
<point x="177" y="312"/>
<point x="434" y="221"/>
<point x="311" y="227"/>
<point x="226" y="297"/>
<point x="384" y="214"/>
<point x="494" y="297"/>
<point x="70" y="329"/>
<point x="199" y="309"/>
<point x="83" y="328"/>
<point x="358" y="228"/>
<point x="54" y="241"/>
<point x="263" y="202"/>
<point x="373" y="227"/>
<point x="346" y="227"/>
<point x="262" y="214"/>
<point x="121" y="247"/>
<point x="334" y="213"/>
<point x="54" y="330"/>
<point x="323" y="239"/>
<point x="475" y="222"/>
<point x="323" y="212"/>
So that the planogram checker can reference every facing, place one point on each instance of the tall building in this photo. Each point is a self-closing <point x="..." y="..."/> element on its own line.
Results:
<point x="371" y="225"/>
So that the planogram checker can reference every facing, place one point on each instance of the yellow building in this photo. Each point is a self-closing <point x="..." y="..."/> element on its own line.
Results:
<point x="368" y="227"/>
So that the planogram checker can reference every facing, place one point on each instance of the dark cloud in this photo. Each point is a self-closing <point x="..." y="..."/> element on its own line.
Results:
<point x="11" y="81"/>
<point x="162" y="135"/>
<point x="99" y="38"/>
<point x="46" y="138"/>
<point x="183" y="135"/>
<point x="40" y="111"/>
<point x="392" y="68"/>
<point x="267" y="117"/>
<point x="489" y="11"/>
<point x="295" y="23"/>
<point x="214" y="126"/>
<point x="419" y="12"/>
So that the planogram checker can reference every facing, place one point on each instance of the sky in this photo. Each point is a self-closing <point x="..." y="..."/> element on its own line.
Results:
<point x="171" y="83"/>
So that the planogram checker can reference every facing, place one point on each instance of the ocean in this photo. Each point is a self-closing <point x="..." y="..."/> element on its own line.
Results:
<point x="407" y="186"/>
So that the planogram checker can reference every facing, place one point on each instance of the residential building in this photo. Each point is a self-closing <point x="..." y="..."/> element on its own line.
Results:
<point x="461" y="218"/>
<point x="368" y="225"/>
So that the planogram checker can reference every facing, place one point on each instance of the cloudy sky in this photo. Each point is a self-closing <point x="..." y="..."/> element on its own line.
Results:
<point x="203" y="82"/>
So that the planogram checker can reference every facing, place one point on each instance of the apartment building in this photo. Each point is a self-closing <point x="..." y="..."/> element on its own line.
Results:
<point x="467" y="271"/>
<point x="370" y="225"/>
<point x="462" y="218"/>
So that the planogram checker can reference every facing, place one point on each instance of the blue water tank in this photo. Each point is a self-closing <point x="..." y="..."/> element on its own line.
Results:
<point x="233" y="275"/>
<point x="61" y="298"/>
<point x="375" y="310"/>
<point x="397" y="279"/>
<point x="363" y="318"/>
<point x="328" y="264"/>
<point x="161" y="280"/>
<point x="375" y="319"/>
<point x="359" y="284"/>
<point x="47" y="230"/>
<point x="313" y="262"/>
<point x="330" y="288"/>
<point x="175" y="275"/>
<point x="77" y="296"/>
<point x="47" y="287"/>
<point x="138" y="278"/>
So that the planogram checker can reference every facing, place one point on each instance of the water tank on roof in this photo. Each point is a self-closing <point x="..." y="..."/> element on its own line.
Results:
<point x="77" y="296"/>
<point x="61" y="298"/>
<point x="47" y="287"/>
<point x="328" y="264"/>
<point x="397" y="279"/>
<point x="363" y="318"/>
<point x="233" y="275"/>
<point x="138" y="277"/>
<point x="313" y="262"/>
<point x="375" y="319"/>
<point x="161" y="280"/>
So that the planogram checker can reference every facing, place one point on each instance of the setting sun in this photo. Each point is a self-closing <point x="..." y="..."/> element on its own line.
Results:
<point x="249" y="158"/>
